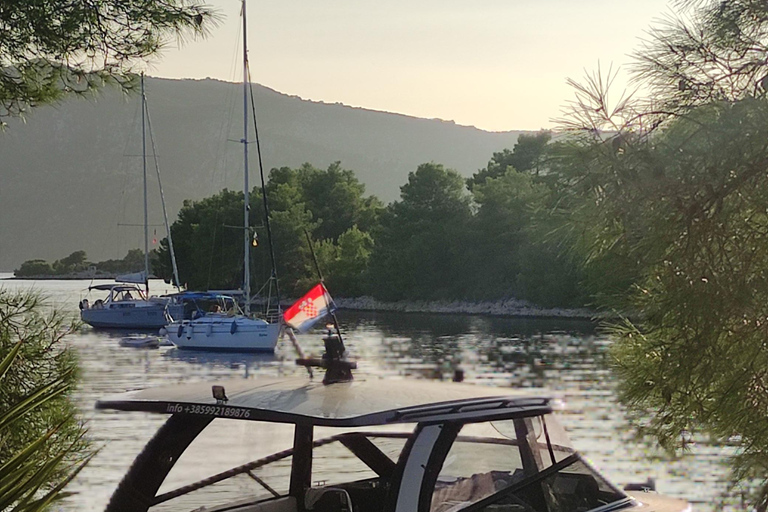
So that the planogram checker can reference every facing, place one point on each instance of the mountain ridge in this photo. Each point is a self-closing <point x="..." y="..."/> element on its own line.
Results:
<point x="71" y="180"/>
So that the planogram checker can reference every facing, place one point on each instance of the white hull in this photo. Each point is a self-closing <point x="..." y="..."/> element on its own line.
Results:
<point x="129" y="314"/>
<point x="222" y="333"/>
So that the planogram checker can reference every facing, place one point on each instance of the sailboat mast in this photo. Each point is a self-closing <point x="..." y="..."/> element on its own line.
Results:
<point x="246" y="204"/>
<point x="144" y="166"/>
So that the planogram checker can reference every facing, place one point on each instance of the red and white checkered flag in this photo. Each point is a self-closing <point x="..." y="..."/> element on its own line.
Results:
<point x="309" y="309"/>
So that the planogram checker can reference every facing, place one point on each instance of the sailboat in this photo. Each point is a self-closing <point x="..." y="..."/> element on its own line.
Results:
<point x="228" y="328"/>
<point x="127" y="306"/>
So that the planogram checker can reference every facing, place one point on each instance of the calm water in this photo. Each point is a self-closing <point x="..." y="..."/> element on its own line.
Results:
<point x="566" y="357"/>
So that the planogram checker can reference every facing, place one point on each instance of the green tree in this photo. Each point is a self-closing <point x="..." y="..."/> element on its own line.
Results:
<point x="345" y="263"/>
<point x="331" y="205"/>
<point x="207" y="242"/>
<point x="32" y="268"/>
<point x="335" y="198"/>
<point x="679" y="194"/>
<point x="294" y="262"/>
<point x="49" y="49"/>
<point x="133" y="261"/>
<point x="43" y="444"/>
<point x="75" y="261"/>
<point x="327" y="204"/>
<point x="505" y="208"/>
<point x="529" y="155"/>
<point x="421" y="248"/>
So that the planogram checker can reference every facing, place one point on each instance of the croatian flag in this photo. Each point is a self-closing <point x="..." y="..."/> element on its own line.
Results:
<point x="309" y="309"/>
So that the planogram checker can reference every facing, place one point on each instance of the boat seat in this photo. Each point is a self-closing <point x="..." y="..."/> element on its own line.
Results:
<point x="328" y="499"/>
<point x="282" y="504"/>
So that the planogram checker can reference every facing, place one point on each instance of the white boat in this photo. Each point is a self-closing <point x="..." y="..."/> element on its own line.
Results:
<point x="218" y="324"/>
<point x="361" y="445"/>
<point x="238" y="332"/>
<point x="127" y="306"/>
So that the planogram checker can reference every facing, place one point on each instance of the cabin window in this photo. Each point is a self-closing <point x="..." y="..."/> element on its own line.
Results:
<point x="520" y="465"/>
<point x="227" y="446"/>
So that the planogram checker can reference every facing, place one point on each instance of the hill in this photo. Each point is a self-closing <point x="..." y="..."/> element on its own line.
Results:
<point x="71" y="174"/>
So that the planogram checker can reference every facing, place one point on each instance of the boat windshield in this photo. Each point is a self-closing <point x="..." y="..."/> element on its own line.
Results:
<point x="237" y="463"/>
<point x="521" y="465"/>
<point x="227" y="462"/>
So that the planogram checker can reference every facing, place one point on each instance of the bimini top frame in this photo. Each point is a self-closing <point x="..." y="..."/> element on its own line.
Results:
<point x="358" y="403"/>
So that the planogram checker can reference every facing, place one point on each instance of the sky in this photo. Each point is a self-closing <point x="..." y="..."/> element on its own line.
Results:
<point x="494" y="64"/>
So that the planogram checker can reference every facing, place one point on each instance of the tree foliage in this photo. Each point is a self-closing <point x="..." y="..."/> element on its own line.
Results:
<point x="715" y="51"/>
<point x="439" y="241"/>
<point x="42" y="444"/>
<point x="421" y="248"/>
<point x="49" y="49"/>
<point x="676" y="197"/>
<point x="328" y="204"/>
<point x="208" y="243"/>
<point x="78" y="262"/>
<point x="529" y="155"/>
<point x="36" y="267"/>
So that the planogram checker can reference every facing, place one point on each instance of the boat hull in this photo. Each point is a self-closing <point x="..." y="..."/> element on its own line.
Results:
<point x="225" y="334"/>
<point x="147" y="317"/>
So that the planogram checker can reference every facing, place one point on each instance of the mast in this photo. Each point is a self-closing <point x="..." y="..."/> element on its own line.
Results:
<point x="176" y="281"/>
<point x="144" y="167"/>
<point x="246" y="205"/>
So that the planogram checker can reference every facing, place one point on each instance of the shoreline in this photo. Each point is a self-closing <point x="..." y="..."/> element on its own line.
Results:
<point x="500" y="308"/>
<point x="62" y="278"/>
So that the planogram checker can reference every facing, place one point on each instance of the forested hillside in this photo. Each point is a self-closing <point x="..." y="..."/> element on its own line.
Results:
<point x="71" y="174"/>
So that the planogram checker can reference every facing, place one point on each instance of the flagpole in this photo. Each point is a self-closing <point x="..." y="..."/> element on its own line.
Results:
<point x="331" y="305"/>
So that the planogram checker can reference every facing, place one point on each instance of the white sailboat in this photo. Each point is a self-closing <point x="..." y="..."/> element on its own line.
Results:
<point x="234" y="330"/>
<point x="127" y="306"/>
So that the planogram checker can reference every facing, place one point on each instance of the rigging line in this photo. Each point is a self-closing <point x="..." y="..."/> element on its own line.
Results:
<point x="121" y="207"/>
<point x="219" y="174"/>
<point x="264" y="191"/>
<point x="162" y="196"/>
<point x="221" y="129"/>
<point x="213" y="247"/>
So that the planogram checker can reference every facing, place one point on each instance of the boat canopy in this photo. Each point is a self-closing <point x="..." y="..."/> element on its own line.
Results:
<point x="365" y="402"/>
<point x="115" y="287"/>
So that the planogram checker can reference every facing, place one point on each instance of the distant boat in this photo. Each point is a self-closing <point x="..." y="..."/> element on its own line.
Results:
<point x="138" y="341"/>
<point x="127" y="306"/>
<point x="237" y="330"/>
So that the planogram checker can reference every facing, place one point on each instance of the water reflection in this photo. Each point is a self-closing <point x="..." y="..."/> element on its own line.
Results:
<point x="565" y="356"/>
<point x="245" y="364"/>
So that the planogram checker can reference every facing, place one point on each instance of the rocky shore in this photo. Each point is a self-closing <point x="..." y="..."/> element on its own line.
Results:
<point x="505" y="307"/>
<point x="502" y="307"/>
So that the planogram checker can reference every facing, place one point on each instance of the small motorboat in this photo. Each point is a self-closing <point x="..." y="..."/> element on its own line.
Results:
<point x="140" y="341"/>
<point x="360" y="445"/>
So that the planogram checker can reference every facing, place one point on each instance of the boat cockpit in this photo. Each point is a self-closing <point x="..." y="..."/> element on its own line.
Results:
<point x="120" y="295"/>
<point x="360" y="446"/>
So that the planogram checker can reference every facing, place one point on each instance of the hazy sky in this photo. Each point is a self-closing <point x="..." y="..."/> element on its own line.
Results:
<point x="494" y="64"/>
